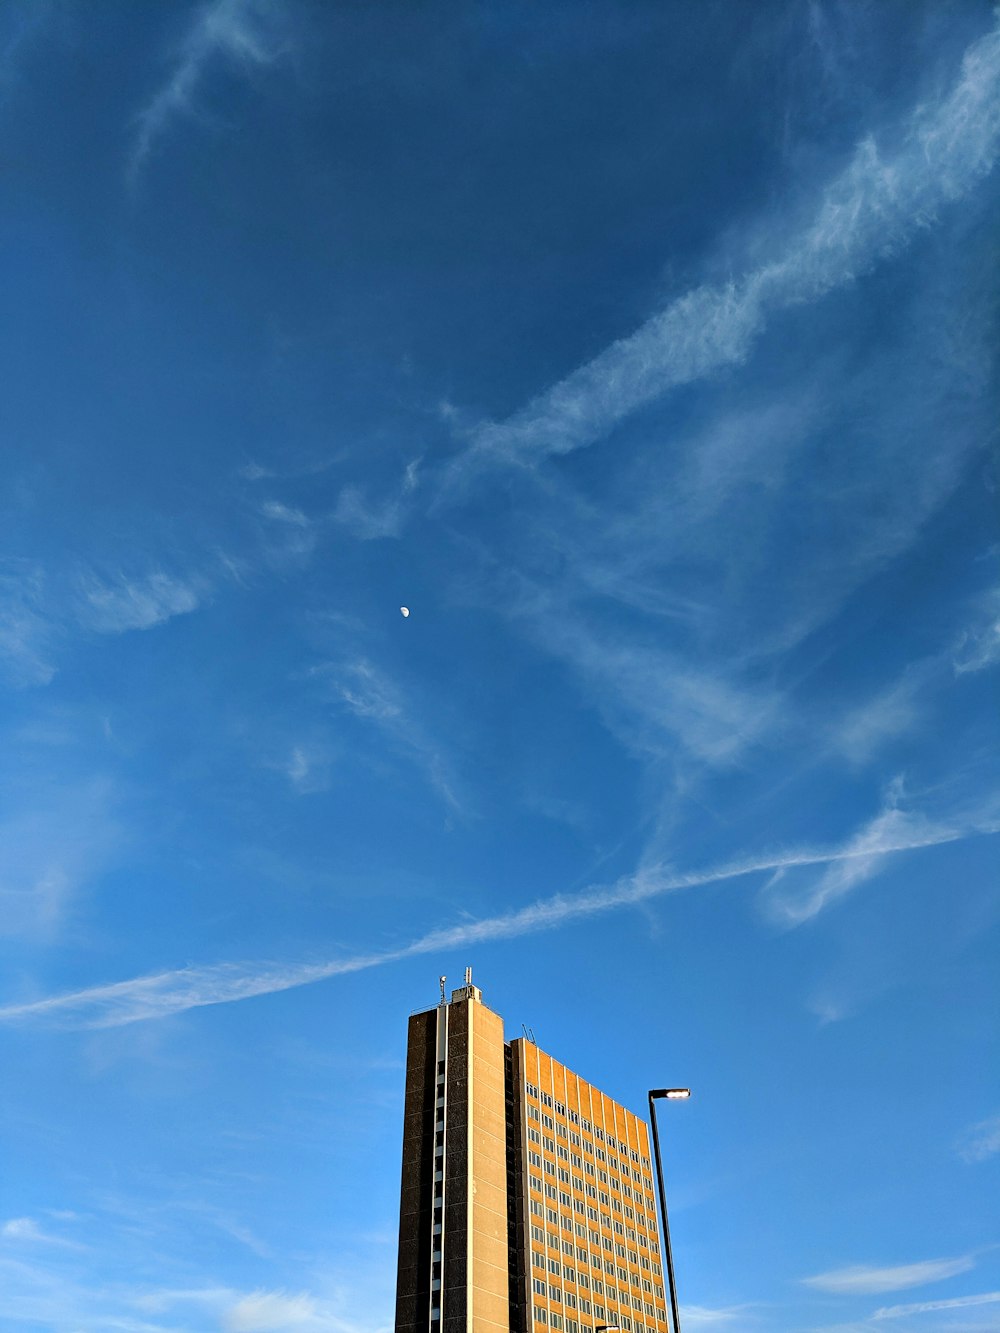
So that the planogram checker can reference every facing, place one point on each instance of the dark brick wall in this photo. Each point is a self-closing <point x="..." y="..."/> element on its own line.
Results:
<point x="416" y="1191"/>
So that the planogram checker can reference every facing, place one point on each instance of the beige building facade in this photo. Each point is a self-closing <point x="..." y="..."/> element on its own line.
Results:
<point x="527" y="1197"/>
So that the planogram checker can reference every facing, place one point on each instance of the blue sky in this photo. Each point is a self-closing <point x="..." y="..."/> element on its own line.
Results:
<point x="648" y="354"/>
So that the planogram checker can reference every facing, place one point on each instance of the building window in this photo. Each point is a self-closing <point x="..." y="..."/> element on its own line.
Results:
<point x="534" y="1135"/>
<point x="533" y="1112"/>
<point x="555" y="1293"/>
<point x="546" y="1099"/>
<point x="552" y="1216"/>
<point x="547" y="1121"/>
<point x="556" y="1320"/>
<point x="536" y="1207"/>
<point x="538" y="1260"/>
<point x="570" y="1301"/>
<point x="531" y="1090"/>
<point x="540" y="1316"/>
<point x="535" y="1183"/>
<point x="560" y="1109"/>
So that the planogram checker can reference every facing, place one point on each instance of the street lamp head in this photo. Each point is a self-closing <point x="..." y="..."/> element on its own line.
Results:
<point x="672" y="1094"/>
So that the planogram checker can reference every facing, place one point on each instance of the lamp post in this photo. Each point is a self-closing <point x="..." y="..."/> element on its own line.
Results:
<point x="671" y="1094"/>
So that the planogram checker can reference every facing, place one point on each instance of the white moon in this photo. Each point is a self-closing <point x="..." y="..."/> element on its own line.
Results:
<point x="404" y="610"/>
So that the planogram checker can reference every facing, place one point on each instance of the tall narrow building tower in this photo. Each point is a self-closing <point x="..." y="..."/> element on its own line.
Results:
<point x="527" y="1195"/>
<point x="453" y="1205"/>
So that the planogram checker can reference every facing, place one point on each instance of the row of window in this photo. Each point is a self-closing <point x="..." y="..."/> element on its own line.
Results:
<point x="584" y="1232"/>
<point x="562" y="1269"/>
<point x="566" y="1245"/>
<point x="558" y="1322"/>
<point x="593" y="1214"/>
<point x="574" y="1118"/>
<point x="543" y="1118"/>
<point x="575" y="1159"/>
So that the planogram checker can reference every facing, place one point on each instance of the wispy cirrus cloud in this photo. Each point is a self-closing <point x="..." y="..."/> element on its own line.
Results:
<point x="870" y="1280"/>
<point x="937" y="1307"/>
<point x="242" y="33"/>
<point x="372" y="520"/>
<point x="166" y="993"/>
<point x="262" y="1311"/>
<point x="54" y="839"/>
<point x="978" y="647"/>
<point x="703" y="1316"/>
<point x="27" y="1231"/>
<point x="61" y="1296"/>
<point x="371" y="695"/>
<point x="25" y="631"/>
<point x="980" y="1141"/>
<point x="870" y="210"/>
<point x="790" y="902"/>
<point x="124" y="602"/>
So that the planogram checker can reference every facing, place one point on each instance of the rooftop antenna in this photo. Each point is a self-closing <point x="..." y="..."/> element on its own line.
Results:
<point x="441" y="981"/>
<point x="468" y="976"/>
<point x="529" y="1035"/>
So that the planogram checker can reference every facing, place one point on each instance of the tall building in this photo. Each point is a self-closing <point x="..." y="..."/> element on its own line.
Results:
<point x="527" y="1198"/>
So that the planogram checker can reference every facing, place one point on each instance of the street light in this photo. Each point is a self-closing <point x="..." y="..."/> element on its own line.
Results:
<point x="673" y="1095"/>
